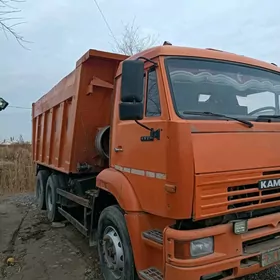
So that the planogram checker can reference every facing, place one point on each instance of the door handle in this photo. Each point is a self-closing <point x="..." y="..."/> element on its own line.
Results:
<point x="118" y="149"/>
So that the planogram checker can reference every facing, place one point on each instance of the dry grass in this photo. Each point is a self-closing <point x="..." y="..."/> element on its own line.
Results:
<point x="16" y="168"/>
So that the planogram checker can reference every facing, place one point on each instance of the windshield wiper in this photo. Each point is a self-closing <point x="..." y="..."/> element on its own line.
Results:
<point x="211" y="114"/>
<point x="267" y="117"/>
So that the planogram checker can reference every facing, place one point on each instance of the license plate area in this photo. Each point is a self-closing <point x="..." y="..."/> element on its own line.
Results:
<point x="270" y="257"/>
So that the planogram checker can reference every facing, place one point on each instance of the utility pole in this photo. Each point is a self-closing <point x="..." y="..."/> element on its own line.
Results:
<point x="3" y="104"/>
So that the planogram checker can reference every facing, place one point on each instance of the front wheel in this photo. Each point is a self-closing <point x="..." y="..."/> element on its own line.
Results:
<point x="114" y="247"/>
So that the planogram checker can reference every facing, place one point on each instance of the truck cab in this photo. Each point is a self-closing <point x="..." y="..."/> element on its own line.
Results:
<point x="209" y="161"/>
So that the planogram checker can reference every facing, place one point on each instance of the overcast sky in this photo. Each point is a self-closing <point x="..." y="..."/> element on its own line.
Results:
<point x="62" y="30"/>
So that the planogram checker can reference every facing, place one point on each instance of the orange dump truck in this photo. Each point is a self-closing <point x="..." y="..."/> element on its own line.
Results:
<point x="168" y="161"/>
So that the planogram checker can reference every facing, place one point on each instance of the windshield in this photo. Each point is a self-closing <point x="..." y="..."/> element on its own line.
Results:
<point x="222" y="88"/>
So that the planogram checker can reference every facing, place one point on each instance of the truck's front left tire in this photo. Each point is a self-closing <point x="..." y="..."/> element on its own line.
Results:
<point x="41" y="182"/>
<point x="51" y="200"/>
<point x="114" y="247"/>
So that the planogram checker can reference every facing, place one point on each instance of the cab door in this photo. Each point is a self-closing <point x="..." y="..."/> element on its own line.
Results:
<point x="143" y="162"/>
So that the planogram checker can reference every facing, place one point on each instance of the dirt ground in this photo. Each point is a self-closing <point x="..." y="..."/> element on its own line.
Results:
<point x="41" y="251"/>
<point x="44" y="252"/>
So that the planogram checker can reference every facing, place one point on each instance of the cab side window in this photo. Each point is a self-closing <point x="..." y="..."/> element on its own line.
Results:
<point x="152" y="98"/>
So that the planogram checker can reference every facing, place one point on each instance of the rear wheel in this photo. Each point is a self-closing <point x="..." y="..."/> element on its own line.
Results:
<point x="41" y="182"/>
<point x="51" y="200"/>
<point x="114" y="247"/>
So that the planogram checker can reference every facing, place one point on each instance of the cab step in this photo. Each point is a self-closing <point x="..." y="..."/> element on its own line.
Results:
<point x="151" y="273"/>
<point x="154" y="235"/>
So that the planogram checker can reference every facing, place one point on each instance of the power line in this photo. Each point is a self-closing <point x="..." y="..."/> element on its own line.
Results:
<point x="106" y="22"/>
<point x="19" y="107"/>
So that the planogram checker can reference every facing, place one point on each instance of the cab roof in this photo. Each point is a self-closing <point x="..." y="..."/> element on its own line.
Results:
<point x="168" y="50"/>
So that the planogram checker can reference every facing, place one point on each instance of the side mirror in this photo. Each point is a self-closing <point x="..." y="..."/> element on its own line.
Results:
<point x="132" y="87"/>
<point x="3" y="104"/>
<point x="132" y="90"/>
<point x="131" y="111"/>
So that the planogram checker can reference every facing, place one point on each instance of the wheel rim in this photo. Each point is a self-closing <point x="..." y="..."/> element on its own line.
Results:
<point x="49" y="199"/>
<point x="112" y="250"/>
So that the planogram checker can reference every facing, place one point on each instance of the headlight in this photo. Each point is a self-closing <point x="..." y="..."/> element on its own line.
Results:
<point x="202" y="247"/>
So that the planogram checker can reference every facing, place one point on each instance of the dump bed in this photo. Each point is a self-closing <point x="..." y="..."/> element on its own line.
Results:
<point x="66" y="119"/>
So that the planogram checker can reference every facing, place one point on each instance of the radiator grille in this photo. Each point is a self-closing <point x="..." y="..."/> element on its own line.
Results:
<point x="247" y="195"/>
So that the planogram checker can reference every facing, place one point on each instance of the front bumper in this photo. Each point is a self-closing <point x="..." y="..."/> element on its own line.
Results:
<point x="234" y="255"/>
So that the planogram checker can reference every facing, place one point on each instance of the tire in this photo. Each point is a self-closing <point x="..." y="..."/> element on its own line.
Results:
<point x="41" y="182"/>
<point x="51" y="200"/>
<point x="112" y="228"/>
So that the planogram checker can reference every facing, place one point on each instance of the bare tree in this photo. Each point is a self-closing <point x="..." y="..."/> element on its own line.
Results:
<point x="133" y="41"/>
<point x="9" y="19"/>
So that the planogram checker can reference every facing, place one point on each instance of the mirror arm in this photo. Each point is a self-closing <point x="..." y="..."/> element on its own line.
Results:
<point x="144" y="126"/>
<point x="154" y="134"/>
<point x="147" y="59"/>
